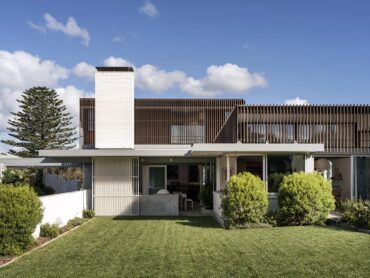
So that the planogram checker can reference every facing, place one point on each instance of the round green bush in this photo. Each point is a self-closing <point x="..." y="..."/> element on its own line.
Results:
<point x="245" y="201"/>
<point x="305" y="199"/>
<point x="20" y="212"/>
<point x="50" y="231"/>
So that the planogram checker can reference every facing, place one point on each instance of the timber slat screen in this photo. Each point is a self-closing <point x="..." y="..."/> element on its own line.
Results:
<point x="181" y="121"/>
<point x="342" y="128"/>
<point x="168" y="121"/>
<point x="87" y="122"/>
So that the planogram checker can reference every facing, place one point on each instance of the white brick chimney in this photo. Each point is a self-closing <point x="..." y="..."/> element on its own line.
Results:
<point x="114" y="108"/>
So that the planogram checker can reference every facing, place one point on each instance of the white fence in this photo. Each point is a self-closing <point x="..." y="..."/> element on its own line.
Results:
<point x="60" y="208"/>
<point x="60" y="184"/>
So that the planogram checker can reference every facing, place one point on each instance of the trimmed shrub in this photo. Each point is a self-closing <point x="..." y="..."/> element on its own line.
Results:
<point x="356" y="213"/>
<point x="88" y="213"/>
<point x="50" y="231"/>
<point x="20" y="212"/>
<point x="206" y="195"/>
<point x="245" y="201"/>
<point x="75" y="222"/>
<point x="16" y="177"/>
<point x="305" y="199"/>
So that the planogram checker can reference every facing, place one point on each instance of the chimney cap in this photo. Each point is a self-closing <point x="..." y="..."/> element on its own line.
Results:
<point x="115" y="69"/>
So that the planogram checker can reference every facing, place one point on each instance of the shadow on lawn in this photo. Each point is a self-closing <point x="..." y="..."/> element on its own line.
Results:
<point x="192" y="221"/>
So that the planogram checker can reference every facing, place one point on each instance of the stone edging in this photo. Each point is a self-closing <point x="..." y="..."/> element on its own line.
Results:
<point x="42" y="245"/>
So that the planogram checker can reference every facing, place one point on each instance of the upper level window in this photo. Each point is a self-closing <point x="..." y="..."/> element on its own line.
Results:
<point x="187" y="134"/>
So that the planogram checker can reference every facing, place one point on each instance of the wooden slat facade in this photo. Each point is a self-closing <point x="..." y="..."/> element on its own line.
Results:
<point x="169" y="121"/>
<point x="341" y="128"/>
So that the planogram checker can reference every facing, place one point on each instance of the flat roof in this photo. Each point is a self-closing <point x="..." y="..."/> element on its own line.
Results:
<point x="115" y="68"/>
<point x="38" y="162"/>
<point x="195" y="150"/>
<point x="266" y="148"/>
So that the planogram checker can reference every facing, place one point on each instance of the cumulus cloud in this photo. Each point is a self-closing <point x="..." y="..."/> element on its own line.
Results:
<point x="19" y="71"/>
<point x="219" y="80"/>
<point x="149" y="77"/>
<point x="71" y="28"/>
<point x="116" y="62"/>
<point x="84" y="70"/>
<point x="149" y="9"/>
<point x="296" y="101"/>
<point x="228" y="78"/>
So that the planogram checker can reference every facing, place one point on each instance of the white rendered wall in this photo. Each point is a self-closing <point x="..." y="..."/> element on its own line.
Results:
<point x="59" y="208"/>
<point x="114" y="109"/>
<point x="309" y="164"/>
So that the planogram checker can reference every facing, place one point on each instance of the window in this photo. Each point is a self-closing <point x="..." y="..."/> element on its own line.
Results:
<point x="90" y="119"/>
<point x="193" y="174"/>
<point x="280" y="166"/>
<point x="187" y="134"/>
<point x="251" y="164"/>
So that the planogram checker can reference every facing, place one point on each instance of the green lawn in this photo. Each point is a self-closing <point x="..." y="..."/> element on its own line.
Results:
<point x="131" y="247"/>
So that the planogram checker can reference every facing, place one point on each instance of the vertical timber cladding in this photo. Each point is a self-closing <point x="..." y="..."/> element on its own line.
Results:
<point x="116" y="186"/>
<point x="343" y="129"/>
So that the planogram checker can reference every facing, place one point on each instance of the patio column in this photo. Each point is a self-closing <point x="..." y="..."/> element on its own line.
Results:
<point x="227" y="168"/>
<point x="309" y="164"/>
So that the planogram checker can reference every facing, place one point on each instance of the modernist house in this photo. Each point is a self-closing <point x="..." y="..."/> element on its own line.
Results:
<point x="133" y="150"/>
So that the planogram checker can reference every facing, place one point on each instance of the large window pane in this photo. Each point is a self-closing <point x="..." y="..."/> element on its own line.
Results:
<point x="251" y="164"/>
<point x="363" y="178"/>
<point x="280" y="166"/>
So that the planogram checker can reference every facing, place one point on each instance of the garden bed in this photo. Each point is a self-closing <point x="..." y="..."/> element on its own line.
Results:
<point x="39" y="243"/>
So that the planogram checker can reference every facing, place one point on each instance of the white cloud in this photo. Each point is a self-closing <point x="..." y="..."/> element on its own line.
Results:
<point x="71" y="28"/>
<point x="84" y="70"/>
<point x="219" y="80"/>
<point x="38" y="27"/>
<point x="296" y="101"/>
<point x="119" y="39"/>
<point x="20" y="70"/>
<point x="149" y="9"/>
<point x="228" y="78"/>
<point x="149" y="77"/>
<point x="116" y="62"/>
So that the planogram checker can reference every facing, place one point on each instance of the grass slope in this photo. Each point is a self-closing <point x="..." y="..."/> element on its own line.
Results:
<point x="184" y="247"/>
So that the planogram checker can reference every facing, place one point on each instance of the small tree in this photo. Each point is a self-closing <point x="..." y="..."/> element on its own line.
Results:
<point x="41" y="123"/>
<point x="245" y="201"/>
<point x="305" y="199"/>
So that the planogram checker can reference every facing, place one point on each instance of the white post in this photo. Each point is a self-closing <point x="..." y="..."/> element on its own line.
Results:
<point x="353" y="178"/>
<point x="309" y="165"/>
<point x="227" y="168"/>
<point x="264" y="171"/>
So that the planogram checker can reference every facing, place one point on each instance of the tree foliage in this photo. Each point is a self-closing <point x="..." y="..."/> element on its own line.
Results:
<point x="42" y="122"/>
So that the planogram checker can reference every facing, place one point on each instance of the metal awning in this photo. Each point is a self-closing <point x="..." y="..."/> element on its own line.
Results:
<point x="138" y="151"/>
<point x="39" y="162"/>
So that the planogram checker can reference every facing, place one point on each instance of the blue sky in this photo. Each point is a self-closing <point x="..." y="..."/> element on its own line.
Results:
<point x="267" y="51"/>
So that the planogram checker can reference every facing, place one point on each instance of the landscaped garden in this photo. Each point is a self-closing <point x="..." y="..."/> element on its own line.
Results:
<point x="199" y="247"/>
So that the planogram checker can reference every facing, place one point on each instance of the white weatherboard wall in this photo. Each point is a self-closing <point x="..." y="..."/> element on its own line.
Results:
<point x="114" y="109"/>
<point x="59" y="208"/>
<point x="115" y="186"/>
